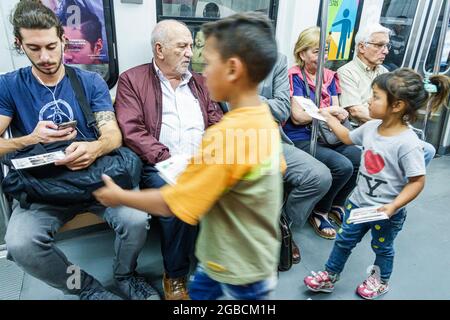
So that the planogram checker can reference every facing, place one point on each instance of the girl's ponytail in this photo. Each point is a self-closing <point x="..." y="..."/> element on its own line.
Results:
<point x="443" y="90"/>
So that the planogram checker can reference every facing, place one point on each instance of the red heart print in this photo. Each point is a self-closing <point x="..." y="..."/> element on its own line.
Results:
<point x="374" y="162"/>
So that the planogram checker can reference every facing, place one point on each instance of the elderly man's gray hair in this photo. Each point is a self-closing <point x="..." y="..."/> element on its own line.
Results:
<point x="365" y="34"/>
<point x="161" y="32"/>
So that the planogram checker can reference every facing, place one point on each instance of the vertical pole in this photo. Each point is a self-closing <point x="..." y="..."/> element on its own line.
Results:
<point x="319" y="76"/>
<point x="437" y="62"/>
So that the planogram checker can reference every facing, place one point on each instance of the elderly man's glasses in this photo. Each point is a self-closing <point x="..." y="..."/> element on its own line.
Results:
<point x="380" y="46"/>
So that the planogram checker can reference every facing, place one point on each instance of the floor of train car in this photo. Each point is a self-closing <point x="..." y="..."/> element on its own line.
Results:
<point x="421" y="263"/>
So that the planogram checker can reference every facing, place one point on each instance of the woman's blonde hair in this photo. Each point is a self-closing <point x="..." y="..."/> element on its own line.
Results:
<point x="309" y="38"/>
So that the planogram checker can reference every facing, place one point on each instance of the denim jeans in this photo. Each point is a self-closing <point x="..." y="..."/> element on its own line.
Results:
<point x="384" y="233"/>
<point x="343" y="162"/>
<point x="202" y="287"/>
<point x="177" y="238"/>
<point x="307" y="181"/>
<point x="31" y="245"/>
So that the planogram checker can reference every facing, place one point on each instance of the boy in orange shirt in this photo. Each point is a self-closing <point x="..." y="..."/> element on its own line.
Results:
<point x="234" y="183"/>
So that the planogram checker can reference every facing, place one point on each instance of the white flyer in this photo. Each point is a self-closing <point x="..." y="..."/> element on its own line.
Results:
<point x="369" y="214"/>
<point x="38" y="161"/>
<point x="310" y="108"/>
<point x="172" y="168"/>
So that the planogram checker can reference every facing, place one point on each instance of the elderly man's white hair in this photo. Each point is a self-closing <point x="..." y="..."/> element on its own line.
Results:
<point x="365" y="34"/>
<point x="160" y="33"/>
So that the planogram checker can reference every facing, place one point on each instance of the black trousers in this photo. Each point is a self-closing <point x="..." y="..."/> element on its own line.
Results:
<point x="177" y="238"/>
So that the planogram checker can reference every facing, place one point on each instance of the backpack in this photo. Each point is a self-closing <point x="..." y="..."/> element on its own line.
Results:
<point x="58" y="185"/>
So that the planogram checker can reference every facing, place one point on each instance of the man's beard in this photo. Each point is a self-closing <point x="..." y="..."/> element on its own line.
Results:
<point x="182" y="69"/>
<point x="47" y="72"/>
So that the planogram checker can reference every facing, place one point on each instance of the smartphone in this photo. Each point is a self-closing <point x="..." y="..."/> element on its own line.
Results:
<point x="65" y="125"/>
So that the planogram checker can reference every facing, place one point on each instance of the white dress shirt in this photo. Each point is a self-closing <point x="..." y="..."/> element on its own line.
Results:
<point x="182" y="119"/>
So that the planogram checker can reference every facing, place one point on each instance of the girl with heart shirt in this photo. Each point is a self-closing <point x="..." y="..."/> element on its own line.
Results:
<point x="391" y="174"/>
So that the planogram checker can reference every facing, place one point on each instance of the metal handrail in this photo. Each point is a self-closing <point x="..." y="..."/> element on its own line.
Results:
<point x="319" y="74"/>
<point x="5" y="206"/>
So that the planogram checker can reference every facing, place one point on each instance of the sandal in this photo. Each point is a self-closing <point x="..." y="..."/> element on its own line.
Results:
<point x="296" y="256"/>
<point x="337" y="215"/>
<point x="324" y="224"/>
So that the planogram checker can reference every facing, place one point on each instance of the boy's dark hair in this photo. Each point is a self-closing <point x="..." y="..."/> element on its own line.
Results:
<point x="249" y="36"/>
<point x="32" y="14"/>
<point x="408" y="86"/>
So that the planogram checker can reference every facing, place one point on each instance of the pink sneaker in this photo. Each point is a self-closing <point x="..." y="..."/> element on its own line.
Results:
<point x="372" y="288"/>
<point x="320" y="282"/>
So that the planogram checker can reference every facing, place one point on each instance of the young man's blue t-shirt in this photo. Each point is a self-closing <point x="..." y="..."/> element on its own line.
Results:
<point x="24" y="99"/>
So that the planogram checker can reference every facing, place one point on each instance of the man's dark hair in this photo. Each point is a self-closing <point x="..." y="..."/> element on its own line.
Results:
<point x="32" y="14"/>
<point x="249" y="36"/>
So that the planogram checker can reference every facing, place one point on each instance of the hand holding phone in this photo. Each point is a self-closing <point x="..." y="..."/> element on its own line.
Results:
<point x="66" y="125"/>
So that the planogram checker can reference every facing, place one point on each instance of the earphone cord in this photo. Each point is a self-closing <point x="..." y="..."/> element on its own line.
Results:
<point x="56" y="102"/>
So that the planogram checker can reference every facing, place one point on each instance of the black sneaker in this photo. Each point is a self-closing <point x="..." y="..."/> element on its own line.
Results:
<point x="136" y="288"/>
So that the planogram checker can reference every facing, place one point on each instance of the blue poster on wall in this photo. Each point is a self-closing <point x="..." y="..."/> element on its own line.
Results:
<point x="84" y="28"/>
<point x="341" y="28"/>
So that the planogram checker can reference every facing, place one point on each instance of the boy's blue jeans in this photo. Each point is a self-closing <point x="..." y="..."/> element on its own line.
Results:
<point x="202" y="287"/>
<point x="383" y="235"/>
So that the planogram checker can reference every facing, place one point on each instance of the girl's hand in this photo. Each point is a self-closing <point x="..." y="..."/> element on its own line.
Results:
<point x="338" y="112"/>
<point x="325" y="112"/>
<point x="389" y="210"/>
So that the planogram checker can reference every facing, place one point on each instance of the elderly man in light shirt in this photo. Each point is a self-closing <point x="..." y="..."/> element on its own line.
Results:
<point x="356" y="77"/>
<point x="163" y="110"/>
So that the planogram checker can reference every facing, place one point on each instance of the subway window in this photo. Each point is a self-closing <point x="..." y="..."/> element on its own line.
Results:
<point x="89" y="30"/>
<point x="212" y="9"/>
<point x="194" y="13"/>
<point x="445" y="58"/>
<point x="398" y="15"/>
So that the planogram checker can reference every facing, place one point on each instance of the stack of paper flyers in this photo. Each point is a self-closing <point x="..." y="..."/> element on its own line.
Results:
<point x="363" y="215"/>
<point x="172" y="168"/>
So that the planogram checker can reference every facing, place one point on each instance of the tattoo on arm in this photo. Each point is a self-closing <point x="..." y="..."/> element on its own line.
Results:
<point x="104" y="117"/>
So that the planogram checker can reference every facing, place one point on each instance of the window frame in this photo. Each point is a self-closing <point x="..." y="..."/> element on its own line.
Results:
<point x="195" y="21"/>
<point x="111" y="35"/>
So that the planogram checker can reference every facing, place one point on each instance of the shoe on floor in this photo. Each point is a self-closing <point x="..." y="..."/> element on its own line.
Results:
<point x="136" y="288"/>
<point x="372" y="288"/>
<point x="175" y="289"/>
<point x="337" y="215"/>
<point x="324" y="224"/>
<point x="321" y="281"/>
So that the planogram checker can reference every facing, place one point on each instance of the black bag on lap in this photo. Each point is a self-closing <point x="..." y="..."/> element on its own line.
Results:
<point x="59" y="185"/>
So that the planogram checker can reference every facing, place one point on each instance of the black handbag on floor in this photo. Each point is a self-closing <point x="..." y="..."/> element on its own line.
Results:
<point x="56" y="185"/>
<point x="286" y="259"/>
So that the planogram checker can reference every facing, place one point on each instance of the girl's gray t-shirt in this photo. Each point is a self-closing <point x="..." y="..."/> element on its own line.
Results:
<point x="386" y="164"/>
